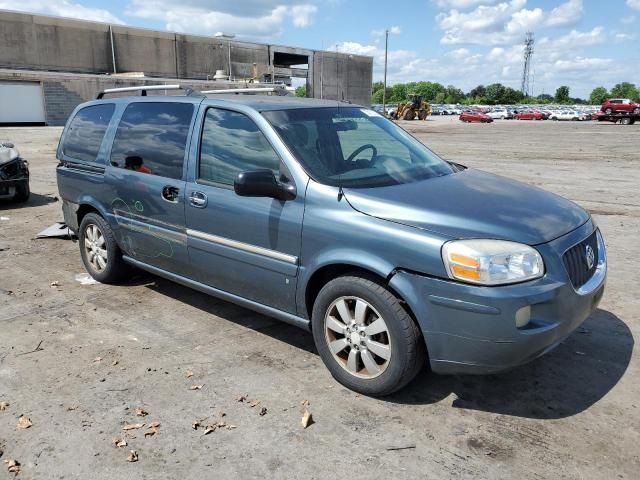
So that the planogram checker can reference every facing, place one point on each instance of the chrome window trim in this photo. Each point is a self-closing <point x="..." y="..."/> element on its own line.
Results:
<point x="246" y="247"/>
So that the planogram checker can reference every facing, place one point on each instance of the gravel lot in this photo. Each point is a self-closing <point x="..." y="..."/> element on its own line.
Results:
<point x="78" y="360"/>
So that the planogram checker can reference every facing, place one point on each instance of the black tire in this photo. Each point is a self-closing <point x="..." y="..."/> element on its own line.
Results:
<point x="625" y="121"/>
<point x="22" y="192"/>
<point x="115" y="268"/>
<point x="408" y="351"/>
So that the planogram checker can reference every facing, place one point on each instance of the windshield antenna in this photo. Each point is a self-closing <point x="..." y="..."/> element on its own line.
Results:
<point x="340" y="192"/>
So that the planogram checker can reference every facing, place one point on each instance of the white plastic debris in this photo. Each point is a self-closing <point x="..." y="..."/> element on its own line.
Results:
<point x="4" y="219"/>
<point x="86" y="279"/>
<point x="56" y="230"/>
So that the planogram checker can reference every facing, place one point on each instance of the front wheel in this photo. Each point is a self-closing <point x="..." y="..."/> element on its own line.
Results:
<point x="365" y="337"/>
<point x="100" y="253"/>
<point x="22" y="192"/>
<point x="608" y="111"/>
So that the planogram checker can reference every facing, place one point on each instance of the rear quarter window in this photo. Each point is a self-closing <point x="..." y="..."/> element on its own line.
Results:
<point x="151" y="138"/>
<point x="86" y="131"/>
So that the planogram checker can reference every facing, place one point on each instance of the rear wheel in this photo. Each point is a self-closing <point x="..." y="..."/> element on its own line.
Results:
<point x="625" y="121"/>
<point x="365" y="337"/>
<point x="100" y="253"/>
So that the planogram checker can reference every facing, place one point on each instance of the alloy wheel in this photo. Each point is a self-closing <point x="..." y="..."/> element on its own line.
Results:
<point x="358" y="337"/>
<point x="95" y="248"/>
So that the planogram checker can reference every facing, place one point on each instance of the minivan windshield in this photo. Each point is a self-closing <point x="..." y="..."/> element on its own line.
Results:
<point x="354" y="147"/>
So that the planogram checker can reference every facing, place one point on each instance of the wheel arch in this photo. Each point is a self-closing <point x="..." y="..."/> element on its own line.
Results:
<point x="329" y="271"/>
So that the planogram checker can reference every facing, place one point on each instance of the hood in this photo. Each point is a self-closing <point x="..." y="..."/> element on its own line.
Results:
<point x="473" y="204"/>
<point x="8" y="153"/>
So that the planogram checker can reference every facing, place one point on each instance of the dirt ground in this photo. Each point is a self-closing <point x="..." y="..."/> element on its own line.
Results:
<point x="78" y="360"/>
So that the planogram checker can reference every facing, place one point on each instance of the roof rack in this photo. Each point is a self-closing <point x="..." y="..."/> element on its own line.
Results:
<point x="143" y="89"/>
<point x="279" y="90"/>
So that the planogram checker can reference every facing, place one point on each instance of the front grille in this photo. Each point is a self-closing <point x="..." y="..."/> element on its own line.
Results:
<point x="575" y="261"/>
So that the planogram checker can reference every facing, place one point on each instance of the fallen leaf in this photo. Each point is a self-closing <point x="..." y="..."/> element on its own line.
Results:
<point x="196" y="424"/>
<point x="307" y="419"/>
<point x="189" y="374"/>
<point x="133" y="456"/>
<point x="13" y="466"/>
<point x="154" y="425"/>
<point x="242" y="398"/>
<point x="97" y="359"/>
<point x="305" y="403"/>
<point x="215" y="426"/>
<point x="72" y="408"/>
<point x="263" y="411"/>
<point x="55" y="283"/>
<point x="151" y="433"/>
<point x="115" y="362"/>
<point x="254" y="403"/>
<point x="119" y="442"/>
<point x="24" y="422"/>
<point x="141" y="412"/>
<point x="133" y="426"/>
<point x="196" y="387"/>
<point x="4" y="406"/>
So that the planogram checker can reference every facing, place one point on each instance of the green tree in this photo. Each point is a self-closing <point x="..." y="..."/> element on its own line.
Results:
<point x="377" y="86"/>
<point x="301" y="91"/>
<point x="495" y="93"/>
<point x="454" y="95"/>
<point x="598" y="95"/>
<point x="377" y="95"/>
<point x="440" y="97"/>
<point x="429" y="90"/>
<point x="399" y="93"/>
<point x="562" y="94"/>
<point x="510" y="96"/>
<point x="479" y="91"/>
<point x="625" y="90"/>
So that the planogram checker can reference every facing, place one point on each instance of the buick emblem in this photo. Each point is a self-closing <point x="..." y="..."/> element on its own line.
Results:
<point x="589" y="256"/>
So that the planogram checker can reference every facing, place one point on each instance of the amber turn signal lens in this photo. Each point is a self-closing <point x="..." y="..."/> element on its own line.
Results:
<point x="464" y="260"/>
<point x="466" y="273"/>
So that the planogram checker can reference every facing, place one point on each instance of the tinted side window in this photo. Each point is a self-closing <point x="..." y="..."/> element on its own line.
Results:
<point x="86" y="131"/>
<point x="232" y="143"/>
<point x="152" y="137"/>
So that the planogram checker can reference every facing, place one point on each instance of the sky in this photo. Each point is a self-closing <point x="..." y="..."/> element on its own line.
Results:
<point x="579" y="43"/>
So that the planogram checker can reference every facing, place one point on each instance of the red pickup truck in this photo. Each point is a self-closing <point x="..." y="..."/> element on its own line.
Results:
<point x="620" y="105"/>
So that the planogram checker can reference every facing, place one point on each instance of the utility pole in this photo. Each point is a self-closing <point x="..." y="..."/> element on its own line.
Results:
<point x="384" y="91"/>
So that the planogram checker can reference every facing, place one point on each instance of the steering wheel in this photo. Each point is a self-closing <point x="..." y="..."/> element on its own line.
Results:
<point x="362" y="149"/>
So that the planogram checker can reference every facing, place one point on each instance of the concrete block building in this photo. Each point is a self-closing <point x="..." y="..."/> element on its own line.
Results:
<point x="48" y="65"/>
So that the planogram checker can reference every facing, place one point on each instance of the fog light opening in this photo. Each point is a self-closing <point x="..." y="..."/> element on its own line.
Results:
<point x="523" y="316"/>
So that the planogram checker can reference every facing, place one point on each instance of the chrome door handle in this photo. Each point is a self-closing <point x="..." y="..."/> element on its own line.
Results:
<point x="198" y="199"/>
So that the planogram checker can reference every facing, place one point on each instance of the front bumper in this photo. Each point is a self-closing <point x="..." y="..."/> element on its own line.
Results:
<point x="472" y="329"/>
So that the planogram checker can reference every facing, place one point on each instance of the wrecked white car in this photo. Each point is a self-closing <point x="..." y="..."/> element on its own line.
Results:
<point x="14" y="173"/>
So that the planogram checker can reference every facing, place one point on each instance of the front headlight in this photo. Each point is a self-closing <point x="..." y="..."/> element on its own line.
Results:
<point x="491" y="262"/>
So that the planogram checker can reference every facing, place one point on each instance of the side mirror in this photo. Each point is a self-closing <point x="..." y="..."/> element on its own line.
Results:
<point x="262" y="183"/>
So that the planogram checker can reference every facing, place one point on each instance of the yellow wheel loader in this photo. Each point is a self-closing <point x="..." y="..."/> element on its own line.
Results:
<point x="412" y="109"/>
